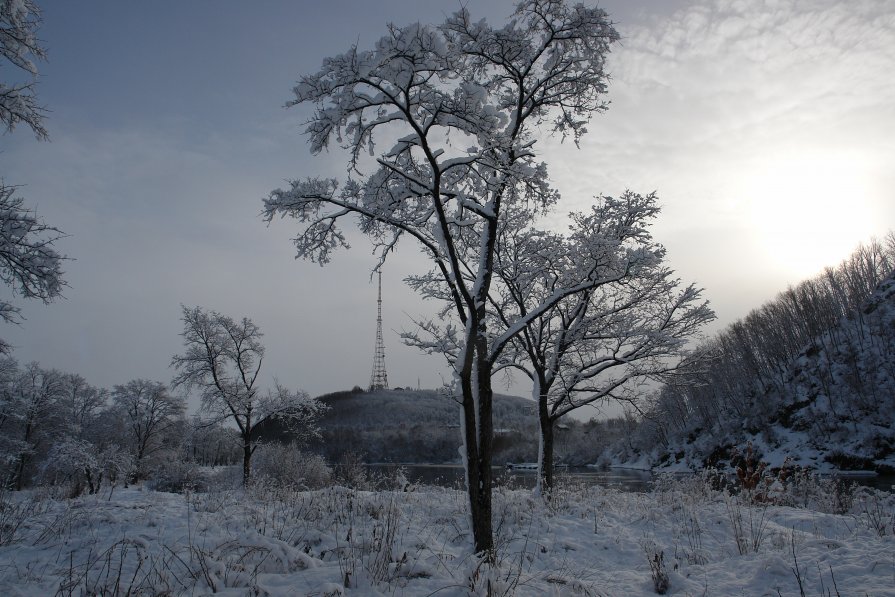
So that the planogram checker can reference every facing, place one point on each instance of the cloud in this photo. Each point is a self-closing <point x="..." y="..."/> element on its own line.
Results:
<point x="162" y="199"/>
<point x="710" y="100"/>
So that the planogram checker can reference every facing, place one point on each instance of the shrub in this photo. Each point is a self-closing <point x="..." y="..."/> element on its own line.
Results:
<point x="75" y="466"/>
<point x="178" y="476"/>
<point x="350" y="472"/>
<point x="287" y="466"/>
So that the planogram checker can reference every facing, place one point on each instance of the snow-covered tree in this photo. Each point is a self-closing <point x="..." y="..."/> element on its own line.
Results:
<point x="150" y="413"/>
<point x="80" y="463"/>
<point x="816" y="360"/>
<point x="83" y="439"/>
<point x="627" y="322"/>
<point x="36" y="413"/>
<point x="222" y="361"/>
<point x="602" y="343"/>
<point x="29" y="262"/>
<point x="458" y="107"/>
<point x="81" y="404"/>
<point x="48" y="421"/>
<point x="9" y="412"/>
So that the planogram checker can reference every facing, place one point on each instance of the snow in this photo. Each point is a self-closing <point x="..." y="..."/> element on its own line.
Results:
<point x="338" y="541"/>
<point x="830" y="412"/>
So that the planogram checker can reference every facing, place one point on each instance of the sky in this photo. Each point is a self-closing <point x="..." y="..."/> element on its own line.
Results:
<point x="767" y="128"/>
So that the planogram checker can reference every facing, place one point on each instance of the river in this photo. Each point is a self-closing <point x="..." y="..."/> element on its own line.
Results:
<point x="451" y="475"/>
<point x="448" y="475"/>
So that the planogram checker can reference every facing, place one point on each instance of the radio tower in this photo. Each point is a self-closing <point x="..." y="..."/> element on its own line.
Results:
<point x="379" y="379"/>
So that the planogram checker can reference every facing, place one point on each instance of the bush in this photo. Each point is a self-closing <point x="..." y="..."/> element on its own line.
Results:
<point x="75" y="466"/>
<point x="351" y="472"/>
<point x="287" y="466"/>
<point x="178" y="477"/>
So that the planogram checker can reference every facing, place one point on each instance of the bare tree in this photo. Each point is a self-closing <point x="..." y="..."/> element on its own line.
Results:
<point x="150" y="413"/>
<point x="223" y="360"/>
<point x="422" y="90"/>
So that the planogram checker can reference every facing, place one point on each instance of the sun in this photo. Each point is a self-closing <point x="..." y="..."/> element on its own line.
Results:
<point x="808" y="211"/>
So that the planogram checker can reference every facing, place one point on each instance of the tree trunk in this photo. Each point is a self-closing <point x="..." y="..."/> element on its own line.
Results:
<point x="483" y="535"/>
<point x="478" y="436"/>
<point x="545" y="453"/>
<point x="138" y="472"/>
<point x="246" y="460"/>
<point x="89" y="477"/>
<point x="20" y="472"/>
<point x="23" y="459"/>
<point x="139" y="465"/>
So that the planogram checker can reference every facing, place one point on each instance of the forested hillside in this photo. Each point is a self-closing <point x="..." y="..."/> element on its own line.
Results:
<point x="810" y="376"/>
<point x="413" y="426"/>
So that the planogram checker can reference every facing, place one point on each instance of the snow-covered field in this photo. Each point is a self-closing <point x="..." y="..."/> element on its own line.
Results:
<point x="338" y="541"/>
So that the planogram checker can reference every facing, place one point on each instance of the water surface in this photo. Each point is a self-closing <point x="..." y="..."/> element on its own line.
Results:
<point x="451" y="475"/>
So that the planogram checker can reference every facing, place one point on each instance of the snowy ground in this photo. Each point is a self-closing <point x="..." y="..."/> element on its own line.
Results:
<point x="337" y="541"/>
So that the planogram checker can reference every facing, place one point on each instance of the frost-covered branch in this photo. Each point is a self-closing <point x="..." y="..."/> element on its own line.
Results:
<point x="29" y="262"/>
<point x="593" y="314"/>
<point x="149" y="412"/>
<point x="19" y="21"/>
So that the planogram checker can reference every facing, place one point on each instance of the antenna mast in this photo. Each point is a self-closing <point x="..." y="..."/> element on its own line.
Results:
<point x="379" y="379"/>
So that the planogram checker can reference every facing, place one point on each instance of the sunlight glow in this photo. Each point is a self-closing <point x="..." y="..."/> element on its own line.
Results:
<point x="809" y="211"/>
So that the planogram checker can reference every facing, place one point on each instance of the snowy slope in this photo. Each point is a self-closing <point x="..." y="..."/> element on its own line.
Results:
<point x="836" y="410"/>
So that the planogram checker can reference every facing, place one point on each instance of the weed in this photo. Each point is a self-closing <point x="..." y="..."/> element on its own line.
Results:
<point x="747" y="522"/>
<point x="16" y="513"/>
<point x="656" y="560"/>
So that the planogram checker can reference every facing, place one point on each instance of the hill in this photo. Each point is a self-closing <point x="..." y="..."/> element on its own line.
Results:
<point x="834" y="409"/>
<point x="412" y="426"/>
<point x="411" y="407"/>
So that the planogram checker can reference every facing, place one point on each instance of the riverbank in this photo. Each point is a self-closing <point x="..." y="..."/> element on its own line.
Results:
<point x="616" y="477"/>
